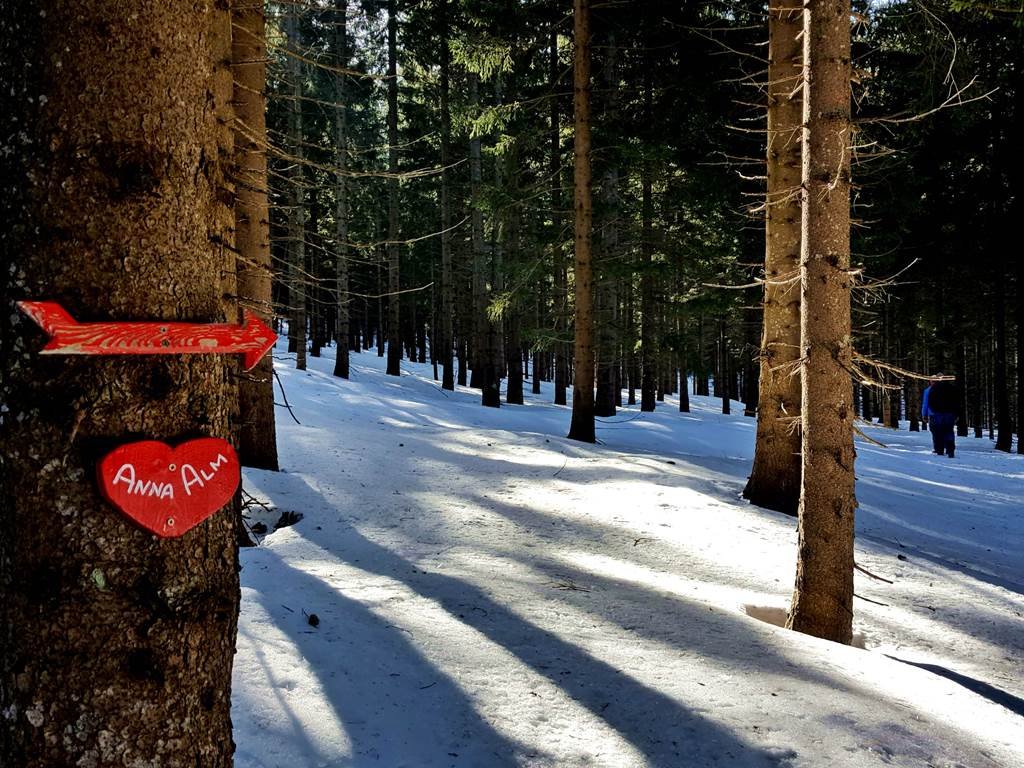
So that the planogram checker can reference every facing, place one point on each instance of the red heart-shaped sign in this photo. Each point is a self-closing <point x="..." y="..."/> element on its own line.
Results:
<point x="170" y="490"/>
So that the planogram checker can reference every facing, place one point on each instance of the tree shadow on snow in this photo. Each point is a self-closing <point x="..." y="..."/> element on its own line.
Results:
<point x="657" y="725"/>
<point x="996" y="695"/>
<point x="396" y="707"/>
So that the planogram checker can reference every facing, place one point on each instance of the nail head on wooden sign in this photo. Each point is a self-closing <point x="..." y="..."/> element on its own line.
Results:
<point x="170" y="490"/>
<point x="253" y="338"/>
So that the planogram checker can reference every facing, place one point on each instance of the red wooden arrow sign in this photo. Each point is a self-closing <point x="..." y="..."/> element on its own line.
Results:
<point x="69" y="337"/>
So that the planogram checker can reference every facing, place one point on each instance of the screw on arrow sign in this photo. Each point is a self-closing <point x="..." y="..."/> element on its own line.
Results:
<point x="69" y="337"/>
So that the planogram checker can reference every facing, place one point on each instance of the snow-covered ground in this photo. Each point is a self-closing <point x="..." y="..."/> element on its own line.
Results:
<point x="490" y="593"/>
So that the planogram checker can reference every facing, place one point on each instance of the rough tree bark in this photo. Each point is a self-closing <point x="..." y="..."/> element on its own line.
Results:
<point x="116" y="646"/>
<point x="823" y="594"/>
<point x="257" y="437"/>
<point x="394" y="298"/>
<point x="582" y="425"/>
<point x="774" y="480"/>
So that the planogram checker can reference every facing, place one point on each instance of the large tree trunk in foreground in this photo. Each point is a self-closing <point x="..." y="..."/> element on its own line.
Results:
<point x="582" y="426"/>
<point x="116" y="646"/>
<point x="823" y="595"/>
<point x="394" y="298"/>
<point x="775" y="477"/>
<point x="257" y="438"/>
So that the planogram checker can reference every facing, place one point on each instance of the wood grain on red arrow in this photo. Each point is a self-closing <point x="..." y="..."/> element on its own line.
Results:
<point x="69" y="337"/>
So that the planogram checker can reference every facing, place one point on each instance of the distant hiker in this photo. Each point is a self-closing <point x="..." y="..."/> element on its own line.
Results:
<point x="941" y="406"/>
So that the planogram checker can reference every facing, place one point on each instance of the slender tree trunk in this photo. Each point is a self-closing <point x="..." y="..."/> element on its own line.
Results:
<point x="661" y="360"/>
<point x="607" y="302"/>
<point x="823" y="594"/>
<point x="701" y="379"/>
<point x="514" y="345"/>
<point x="297" y="192"/>
<point x="750" y="368"/>
<point x="979" y="383"/>
<point x="648" y="332"/>
<point x="464" y="313"/>
<point x="604" y="402"/>
<point x="1016" y="176"/>
<point x="774" y="480"/>
<point x="257" y="436"/>
<point x="380" y="299"/>
<point x="538" y="356"/>
<point x="990" y="378"/>
<point x="342" y="299"/>
<point x="722" y="378"/>
<point x="961" y="380"/>
<point x="1004" y="434"/>
<point x="394" y="300"/>
<point x="913" y="399"/>
<point x="481" y="325"/>
<point x="448" y="381"/>
<point x="116" y="647"/>
<point x="314" y="312"/>
<point x="494" y="363"/>
<point x="684" y="379"/>
<point x="631" y="371"/>
<point x="582" y="426"/>
<point x="421" y="333"/>
<point x="561" y="302"/>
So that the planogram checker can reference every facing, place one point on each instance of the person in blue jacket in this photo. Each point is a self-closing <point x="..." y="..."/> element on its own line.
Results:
<point x="940" y="406"/>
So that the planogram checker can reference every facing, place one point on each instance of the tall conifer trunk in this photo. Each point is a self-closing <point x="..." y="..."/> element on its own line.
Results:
<point x="1004" y="427"/>
<point x="774" y="480"/>
<point x="480" y="324"/>
<point x="582" y="426"/>
<point x="448" y="374"/>
<point x="257" y="438"/>
<point x="297" y="195"/>
<point x="494" y="361"/>
<point x="823" y="594"/>
<point x="514" y="343"/>
<point x="723" y="375"/>
<point x="561" y="299"/>
<point x="648" y="335"/>
<point x="1016" y="215"/>
<point x="607" y="302"/>
<point x="116" y="646"/>
<point x="342" y="299"/>
<point x="394" y="298"/>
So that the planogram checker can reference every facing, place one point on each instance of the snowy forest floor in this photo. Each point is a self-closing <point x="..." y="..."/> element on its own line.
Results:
<point x="490" y="593"/>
